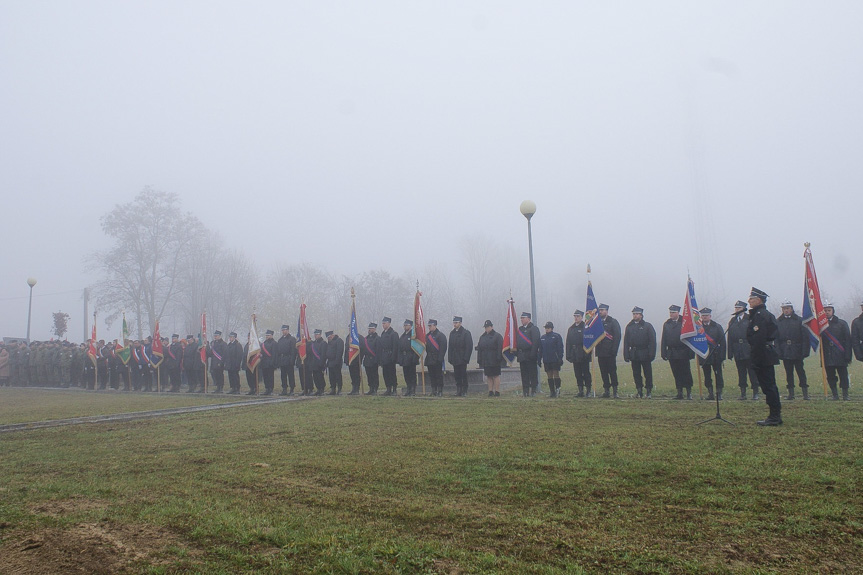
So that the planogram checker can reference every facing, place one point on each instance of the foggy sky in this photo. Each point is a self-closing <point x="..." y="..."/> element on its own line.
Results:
<point x="655" y="138"/>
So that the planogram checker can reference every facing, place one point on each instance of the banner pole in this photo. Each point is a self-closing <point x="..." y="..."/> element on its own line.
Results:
<point x="423" y="370"/>
<point x="593" y="372"/>
<point x="158" y="380"/>
<point x="698" y="369"/>
<point x="823" y="367"/>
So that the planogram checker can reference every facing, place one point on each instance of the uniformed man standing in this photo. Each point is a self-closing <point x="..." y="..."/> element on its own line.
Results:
<point x="287" y="345"/>
<point x="761" y="335"/>
<point x="408" y="359"/>
<point x="269" y="362"/>
<point x="354" y="366"/>
<point x="174" y="362"/>
<point x="738" y="349"/>
<point x="639" y="348"/>
<point x="857" y="335"/>
<point x="317" y="358"/>
<point x="369" y="350"/>
<point x="527" y="353"/>
<point x="836" y="340"/>
<point x="712" y="364"/>
<point x="792" y="342"/>
<point x="677" y="353"/>
<point x="335" y="351"/>
<point x="233" y="362"/>
<point x="551" y="354"/>
<point x="217" y="351"/>
<point x="606" y="351"/>
<point x="576" y="355"/>
<point x="436" y="348"/>
<point x="459" y="350"/>
<point x="388" y="355"/>
<point x="192" y="365"/>
<point x="251" y="375"/>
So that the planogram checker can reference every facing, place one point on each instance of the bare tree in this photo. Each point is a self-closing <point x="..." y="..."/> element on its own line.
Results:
<point x="288" y="286"/>
<point x="379" y="293"/>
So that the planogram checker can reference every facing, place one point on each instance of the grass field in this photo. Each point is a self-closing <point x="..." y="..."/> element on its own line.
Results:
<point x="415" y="485"/>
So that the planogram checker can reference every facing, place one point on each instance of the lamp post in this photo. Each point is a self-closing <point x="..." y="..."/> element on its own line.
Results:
<point x="30" y="282"/>
<point x="527" y="209"/>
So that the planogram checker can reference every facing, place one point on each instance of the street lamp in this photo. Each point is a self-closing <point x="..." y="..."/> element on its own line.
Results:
<point x="30" y="282"/>
<point x="527" y="209"/>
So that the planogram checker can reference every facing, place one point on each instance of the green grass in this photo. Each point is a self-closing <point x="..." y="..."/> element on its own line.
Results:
<point x="400" y="485"/>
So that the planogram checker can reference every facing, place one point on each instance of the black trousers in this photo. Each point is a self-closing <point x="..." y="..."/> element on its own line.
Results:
<point x="744" y="368"/>
<point x="373" y="375"/>
<point x="709" y="370"/>
<point x="837" y="373"/>
<point x="252" y="380"/>
<point x="193" y="379"/>
<point x="268" y="374"/>
<point x="318" y="378"/>
<point x="766" y="375"/>
<point x="682" y="374"/>
<point x="335" y="374"/>
<point x="582" y="374"/>
<point x="410" y="373"/>
<point x="459" y="372"/>
<point x="176" y="379"/>
<point x="287" y="374"/>
<point x="389" y="372"/>
<point x="529" y="375"/>
<point x="608" y="371"/>
<point x="435" y="376"/>
<point x="354" y="372"/>
<point x="135" y="377"/>
<point x="218" y="378"/>
<point x="233" y="379"/>
<point x="637" y="368"/>
<point x="792" y="365"/>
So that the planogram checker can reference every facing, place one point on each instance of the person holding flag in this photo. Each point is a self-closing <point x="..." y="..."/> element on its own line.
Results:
<point x="408" y="359"/>
<point x="576" y="354"/>
<point x="675" y="351"/>
<point x="369" y="352"/>
<point x="836" y="342"/>
<point x="761" y="336"/>
<point x="711" y="365"/>
<point x="217" y="352"/>
<point x="527" y="352"/>
<point x="436" y="346"/>
<point x="252" y="357"/>
<point x="606" y="351"/>
<point x="287" y="346"/>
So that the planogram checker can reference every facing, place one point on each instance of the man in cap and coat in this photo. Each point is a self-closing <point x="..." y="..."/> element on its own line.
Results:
<point x="369" y="351"/>
<point x="408" y="358"/>
<point x="459" y="350"/>
<point x="606" y="351"/>
<point x="576" y="355"/>
<point x="436" y="348"/>
<point x="712" y="364"/>
<point x="761" y="335"/>
<point x="639" y="348"/>
<point x="335" y="351"/>
<point x="287" y="346"/>
<point x="551" y="354"/>
<point x="677" y="353"/>
<point x="792" y="343"/>
<point x="837" y="343"/>
<point x="388" y="355"/>
<point x="527" y="353"/>
<point x="739" y="351"/>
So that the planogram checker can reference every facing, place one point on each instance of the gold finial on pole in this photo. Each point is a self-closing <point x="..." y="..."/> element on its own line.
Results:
<point x="588" y="268"/>
<point x="353" y="294"/>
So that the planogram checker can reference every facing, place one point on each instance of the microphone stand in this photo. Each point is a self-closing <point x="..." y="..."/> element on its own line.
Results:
<point x="718" y="415"/>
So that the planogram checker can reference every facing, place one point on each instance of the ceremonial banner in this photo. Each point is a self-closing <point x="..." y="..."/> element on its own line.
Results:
<point x="692" y="331"/>
<point x="418" y="332"/>
<point x="594" y="331"/>
<point x="354" y="336"/>
<point x="302" y="333"/>
<point x="124" y="352"/>
<point x="812" y="312"/>
<point x="202" y="342"/>
<point x="509" y="347"/>
<point x="253" y="358"/>
<point x="92" y="353"/>
<point x="158" y="354"/>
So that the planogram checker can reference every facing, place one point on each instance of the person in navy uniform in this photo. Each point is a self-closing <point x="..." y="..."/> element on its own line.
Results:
<point x="269" y="362"/>
<point x="317" y="358"/>
<point x="677" y="353"/>
<point x="335" y="352"/>
<point x="459" y="350"/>
<point x="408" y="359"/>
<point x="489" y="355"/>
<point x="639" y="348"/>
<point x="527" y="353"/>
<point x="761" y="335"/>
<point x="217" y="351"/>
<point x="738" y="349"/>
<point x="287" y="346"/>
<point x="234" y="362"/>
<point x="792" y="342"/>
<point x="369" y="350"/>
<point x="606" y="351"/>
<point x="436" y="347"/>
<point x="712" y="364"/>
<point x="576" y="355"/>
<point x="551" y="354"/>
<point x="836" y="340"/>
<point x="388" y="355"/>
<point x="354" y="366"/>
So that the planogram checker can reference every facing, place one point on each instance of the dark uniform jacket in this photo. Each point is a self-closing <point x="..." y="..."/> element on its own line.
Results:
<point x="836" y="353"/>
<point x="407" y="356"/>
<point x="436" y="345"/>
<point x="347" y="354"/>
<point x="639" y="341"/>
<point x="857" y="337"/>
<point x="761" y="335"/>
<point x="716" y="344"/>
<point x="370" y="349"/>
<point x="575" y="344"/>
<point x="551" y="351"/>
<point x="609" y="346"/>
<point x="234" y="356"/>
<point x="738" y="345"/>
<point x="316" y="356"/>
<point x="192" y="358"/>
<point x="335" y="351"/>
<point x="287" y="346"/>
<point x="388" y="347"/>
<point x="217" y="350"/>
<point x="489" y="350"/>
<point x="460" y="347"/>
<point x="527" y="343"/>
<point x="269" y="353"/>
<point x="672" y="347"/>
<point x="174" y="355"/>
<point x="792" y="340"/>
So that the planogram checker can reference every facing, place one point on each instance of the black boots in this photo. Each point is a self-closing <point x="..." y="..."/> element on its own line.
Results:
<point x="742" y="394"/>
<point x="805" y="390"/>
<point x="710" y="396"/>
<point x="772" y="420"/>
<point x="790" y="396"/>
<point x="755" y="395"/>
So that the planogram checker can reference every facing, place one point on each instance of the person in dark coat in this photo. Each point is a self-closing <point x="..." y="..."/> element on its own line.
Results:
<point x="369" y="350"/>
<point x="408" y="359"/>
<point x="738" y="349"/>
<point x="606" y="351"/>
<point x="712" y="364"/>
<point x="174" y="362"/>
<point x="135" y="365"/>
<point x="388" y="355"/>
<point x="677" y="353"/>
<point x="576" y="355"/>
<point x="269" y="362"/>
<point x="639" y="348"/>
<point x="436" y="348"/>
<point x="551" y="354"/>
<point x="193" y="365"/>
<point x="761" y="335"/>
<point x="317" y="358"/>
<point x="335" y="352"/>
<point x="217" y="351"/>
<point x="527" y="353"/>
<point x="459" y="350"/>
<point x="836" y="340"/>
<point x="857" y="335"/>
<point x="287" y="346"/>
<point x="233" y="362"/>
<point x="354" y="367"/>
<point x="792" y="343"/>
<point x="489" y="355"/>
